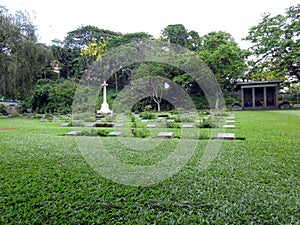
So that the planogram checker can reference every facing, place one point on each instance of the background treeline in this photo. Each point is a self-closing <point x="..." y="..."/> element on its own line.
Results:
<point x="44" y="78"/>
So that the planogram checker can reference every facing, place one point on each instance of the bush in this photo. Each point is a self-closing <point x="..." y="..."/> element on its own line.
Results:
<point x="141" y="133"/>
<point x="147" y="115"/>
<point x="3" y="110"/>
<point x="172" y="125"/>
<point x="206" y="124"/>
<point x="91" y="132"/>
<point x="76" y="124"/>
<point x="103" y="133"/>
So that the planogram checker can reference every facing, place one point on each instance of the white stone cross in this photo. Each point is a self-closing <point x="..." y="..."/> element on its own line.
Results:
<point x="104" y="106"/>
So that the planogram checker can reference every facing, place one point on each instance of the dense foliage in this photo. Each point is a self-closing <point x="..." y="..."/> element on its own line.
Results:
<point x="276" y="45"/>
<point x="30" y="71"/>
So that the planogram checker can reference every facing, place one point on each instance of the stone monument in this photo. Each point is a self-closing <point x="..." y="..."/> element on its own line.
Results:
<point x="104" y="106"/>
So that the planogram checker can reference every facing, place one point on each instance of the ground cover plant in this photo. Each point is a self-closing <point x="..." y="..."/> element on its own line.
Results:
<point x="44" y="178"/>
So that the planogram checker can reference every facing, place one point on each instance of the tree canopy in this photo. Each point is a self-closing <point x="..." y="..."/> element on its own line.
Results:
<point x="39" y="74"/>
<point x="275" y="50"/>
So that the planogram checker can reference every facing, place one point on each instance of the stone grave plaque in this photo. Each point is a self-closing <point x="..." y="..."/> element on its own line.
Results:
<point x="226" y="136"/>
<point x="115" y="134"/>
<point x="144" y="121"/>
<point x="165" y="135"/>
<point x="119" y="125"/>
<point x="229" y="126"/>
<point x="91" y="125"/>
<point x="229" y="121"/>
<point x="64" y="125"/>
<point x="187" y="126"/>
<point x="170" y="121"/>
<point x="150" y="126"/>
<point x="72" y="133"/>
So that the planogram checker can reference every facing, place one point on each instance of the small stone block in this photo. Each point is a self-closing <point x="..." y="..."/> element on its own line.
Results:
<point x="115" y="134"/>
<point x="226" y="136"/>
<point x="64" y="125"/>
<point x="165" y="135"/>
<point x="119" y="125"/>
<point x="151" y="126"/>
<point x="144" y="121"/>
<point x="198" y="121"/>
<point x="187" y="126"/>
<point x="170" y="121"/>
<point x="72" y="133"/>
<point x="229" y="126"/>
<point x="91" y="125"/>
<point x="229" y="121"/>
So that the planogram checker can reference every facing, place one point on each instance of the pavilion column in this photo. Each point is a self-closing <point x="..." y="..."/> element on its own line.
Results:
<point x="253" y="97"/>
<point x="243" y="100"/>
<point x="276" y="96"/>
<point x="265" y="97"/>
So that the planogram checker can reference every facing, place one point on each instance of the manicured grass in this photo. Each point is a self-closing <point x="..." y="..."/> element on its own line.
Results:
<point x="44" y="178"/>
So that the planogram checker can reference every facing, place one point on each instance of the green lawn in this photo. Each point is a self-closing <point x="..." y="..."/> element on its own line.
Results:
<point x="44" y="178"/>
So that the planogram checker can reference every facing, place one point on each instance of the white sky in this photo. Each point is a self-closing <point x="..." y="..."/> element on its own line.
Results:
<point x="55" y="18"/>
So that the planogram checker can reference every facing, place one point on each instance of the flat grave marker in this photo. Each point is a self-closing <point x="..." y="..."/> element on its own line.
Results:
<point x="151" y="126"/>
<point x="229" y="126"/>
<point x="187" y="126"/>
<point x="72" y="133"/>
<point x="170" y="121"/>
<point x="165" y="135"/>
<point x="119" y="125"/>
<point x="226" y="136"/>
<point x="115" y="134"/>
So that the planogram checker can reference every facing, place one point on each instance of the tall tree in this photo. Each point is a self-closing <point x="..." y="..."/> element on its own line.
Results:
<point x="21" y="58"/>
<point x="276" y="45"/>
<point x="176" y="34"/>
<point x="224" y="57"/>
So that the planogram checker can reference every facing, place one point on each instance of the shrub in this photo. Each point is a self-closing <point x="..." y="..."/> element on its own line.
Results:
<point x="172" y="125"/>
<point x="76" y="124"/>
<point x="206" y="124"/>
<point x="147" y="115"/>
<point x="3" y="109"/>
<point x="141" y="133"/>
<point x="91" y="132"/>
<point x="103" y="133"/>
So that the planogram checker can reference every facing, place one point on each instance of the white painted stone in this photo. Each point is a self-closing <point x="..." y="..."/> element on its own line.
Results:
<point x="72" y="133"/>
<point x="115" y="134"/>
<point x="170" y="121"/>
<point x="226" y="136"/>
<point x="150" y="126"/>
<point x="165" y="135"/>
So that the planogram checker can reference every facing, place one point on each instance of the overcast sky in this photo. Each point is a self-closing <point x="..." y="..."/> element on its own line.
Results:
<point x="55" y="18"/>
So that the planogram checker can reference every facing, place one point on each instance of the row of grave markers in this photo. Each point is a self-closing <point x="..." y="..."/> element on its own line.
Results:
<point x="229" y="125"/>
<point x="224" y="136"/>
